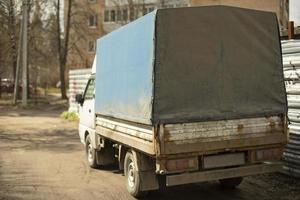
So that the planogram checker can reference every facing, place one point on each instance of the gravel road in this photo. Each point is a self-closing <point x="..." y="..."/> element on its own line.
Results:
<point x="41" y="158"/>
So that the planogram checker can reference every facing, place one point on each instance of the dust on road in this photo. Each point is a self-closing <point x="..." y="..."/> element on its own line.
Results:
<point x="41" y="157"/>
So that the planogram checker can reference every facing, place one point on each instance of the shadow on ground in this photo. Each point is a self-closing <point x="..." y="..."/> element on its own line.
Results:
<point x="37" y="129"/>
<point x="60" y="141"/>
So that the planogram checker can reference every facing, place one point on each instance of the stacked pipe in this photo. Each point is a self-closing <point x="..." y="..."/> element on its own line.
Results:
<point x="291" y="69"/>
<point x="77" y="81"/>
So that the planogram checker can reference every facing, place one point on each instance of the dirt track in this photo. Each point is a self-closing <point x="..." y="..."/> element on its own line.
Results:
<point x="41" y="158"/>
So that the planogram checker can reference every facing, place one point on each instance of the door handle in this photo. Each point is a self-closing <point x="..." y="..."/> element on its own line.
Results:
<point x="89" y="110"/>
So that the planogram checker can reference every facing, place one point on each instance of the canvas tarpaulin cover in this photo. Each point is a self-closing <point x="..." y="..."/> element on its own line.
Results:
<point x="210" y="63"/>
<point x="217" y="63"/>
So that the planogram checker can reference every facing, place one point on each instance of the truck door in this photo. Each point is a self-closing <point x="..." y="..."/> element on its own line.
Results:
<point x="86" y="110"/>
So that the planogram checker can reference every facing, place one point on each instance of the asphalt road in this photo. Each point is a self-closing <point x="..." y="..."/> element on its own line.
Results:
<point x="41" y="158"/>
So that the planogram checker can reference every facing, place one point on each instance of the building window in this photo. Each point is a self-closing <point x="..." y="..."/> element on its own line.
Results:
<point x="116" y="15"/>
<point x="125" y="15"/>
<point x="92" y="20"/>
<point x="145" y="11"/>
<point x="91" y="46"/>
<point x="112" y="15"/>
<point x="119" y="15"/>
<point x="150" y="9"/>
<point x="131" y="14"/>
<point x="106" y="16"/>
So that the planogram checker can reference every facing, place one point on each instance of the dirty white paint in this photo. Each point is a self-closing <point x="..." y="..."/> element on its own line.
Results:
<point x="219" y="130"/>
<point x="291" y="66"/>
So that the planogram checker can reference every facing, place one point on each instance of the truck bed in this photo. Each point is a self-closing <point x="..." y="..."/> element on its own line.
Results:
<point x="222" y="135"/>
<point x="198" y="138"/>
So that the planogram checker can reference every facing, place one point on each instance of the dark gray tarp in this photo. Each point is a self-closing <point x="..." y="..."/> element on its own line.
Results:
<point x="216" y="62"/>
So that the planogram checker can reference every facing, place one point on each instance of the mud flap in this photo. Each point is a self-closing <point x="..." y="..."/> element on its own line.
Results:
<point x="105" y="156"/>
<point x="146" y="168"/>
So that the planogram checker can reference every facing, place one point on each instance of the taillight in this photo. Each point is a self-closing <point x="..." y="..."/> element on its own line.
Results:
<point x="273" y="154"/>
<point x="184" y="164"/>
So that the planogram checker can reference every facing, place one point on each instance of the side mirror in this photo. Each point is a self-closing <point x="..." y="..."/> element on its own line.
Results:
<point x="79" y="98"/>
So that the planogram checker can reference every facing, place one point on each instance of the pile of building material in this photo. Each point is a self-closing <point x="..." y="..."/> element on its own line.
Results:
<point x="77" y="81"/>
<point x="291" y="67"/>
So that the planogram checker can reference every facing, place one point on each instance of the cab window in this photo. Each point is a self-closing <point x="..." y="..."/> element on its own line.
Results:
<point x="89" y="91"/>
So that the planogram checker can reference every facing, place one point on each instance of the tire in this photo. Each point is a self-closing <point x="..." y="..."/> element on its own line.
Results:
<point x="90" y="153"/>
<point x="231" y="183"/>
<point x="133" y="177"/>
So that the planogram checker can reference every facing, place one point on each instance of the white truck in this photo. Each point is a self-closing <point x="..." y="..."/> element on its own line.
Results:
<point x="187" y="95"/>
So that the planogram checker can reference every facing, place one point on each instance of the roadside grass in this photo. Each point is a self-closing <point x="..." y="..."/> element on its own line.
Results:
<point x="71" y="116"/>
<point x="53" y="90"/>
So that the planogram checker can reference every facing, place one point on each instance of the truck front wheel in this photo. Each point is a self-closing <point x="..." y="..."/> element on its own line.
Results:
<point x="132" y="175"/>
<point x="231" y="182"/>
<point x="90" y="153"/>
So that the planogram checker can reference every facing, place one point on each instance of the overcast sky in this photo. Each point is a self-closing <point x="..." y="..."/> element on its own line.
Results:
<point x="295" y="12"/>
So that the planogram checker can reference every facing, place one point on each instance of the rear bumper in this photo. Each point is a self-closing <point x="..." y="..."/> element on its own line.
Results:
<point x="216" y="174"/>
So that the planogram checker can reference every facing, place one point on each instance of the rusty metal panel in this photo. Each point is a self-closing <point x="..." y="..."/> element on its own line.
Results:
<point x="219" y="136"/>
<point x="222" y="130"/>
<point x="291" y="68"/>
<point x="210" y="175"/>
<point x="182" y="164"/>
<point x="223" y="160"/>
<point x="237" y="143"/>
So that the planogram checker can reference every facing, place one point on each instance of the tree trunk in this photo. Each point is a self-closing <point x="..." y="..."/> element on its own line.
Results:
<point x="12" y="32"/>
<point x="0" y="85"/>
<point x="63" y="50"/>
<point x="0" y="75"/>
<point x="24" y="54"/>
<point x="16" y="81"/>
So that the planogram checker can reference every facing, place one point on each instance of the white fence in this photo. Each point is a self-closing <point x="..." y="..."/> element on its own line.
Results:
<point x="291" y="69"/>
<point x="77" y="82"/>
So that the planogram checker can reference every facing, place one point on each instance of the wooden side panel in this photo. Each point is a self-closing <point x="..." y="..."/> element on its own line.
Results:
<point x="132" y="136"/>
<point x="221" y="135"/>
<point x="135" y="131"/>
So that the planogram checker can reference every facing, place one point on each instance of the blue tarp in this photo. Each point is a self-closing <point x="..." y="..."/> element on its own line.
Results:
<point x="125" y="71"/>
<point x="192" y="64"/>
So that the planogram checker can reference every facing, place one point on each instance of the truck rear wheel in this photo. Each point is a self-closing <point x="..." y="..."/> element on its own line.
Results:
<point x="90" y="153"/>
<point x="231" y="182"/>
<point x="133" y="176"/>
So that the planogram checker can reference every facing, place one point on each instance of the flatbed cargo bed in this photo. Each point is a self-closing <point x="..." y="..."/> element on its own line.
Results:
<point x="198" y="138"/>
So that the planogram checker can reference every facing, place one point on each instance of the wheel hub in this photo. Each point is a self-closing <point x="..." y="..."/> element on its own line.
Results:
<point x="131" y="174"/>
<point x="90" y="153"/>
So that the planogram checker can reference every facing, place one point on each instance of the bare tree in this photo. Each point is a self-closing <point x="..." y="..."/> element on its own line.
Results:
<point x="81" y="33"/>
<point x="24" y="41"/>
<point x="9" y="16"/>
<point x="44" y="32"/>
<point x="2" y="30"/>
<point x="63" y="43"/>
<point x="12" y="33"/>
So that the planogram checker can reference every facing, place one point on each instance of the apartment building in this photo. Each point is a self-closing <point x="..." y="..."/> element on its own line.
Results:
<point x="95" y="18"/>
<point x="280" y="7"/>
<point x="120" y="12"/>
<point x="86" y="28"/>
